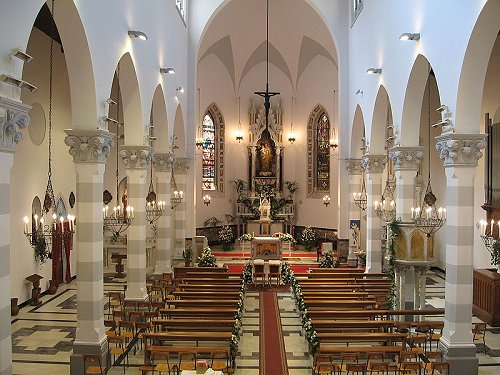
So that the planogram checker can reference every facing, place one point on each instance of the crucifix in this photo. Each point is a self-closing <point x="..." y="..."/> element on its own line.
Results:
<point x="267" y="94"/>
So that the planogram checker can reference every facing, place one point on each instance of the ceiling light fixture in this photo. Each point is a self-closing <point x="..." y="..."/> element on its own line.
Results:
<point x="180" y="89"/>
<point x="239" y="133"/>
<point x="16" y="82"/>
<point x="291" y="134"/>
<point x="373" y="71"/>
<point x="167" y="70"/>
<point x="409" y="36"/>
<point x="137" y="34"/>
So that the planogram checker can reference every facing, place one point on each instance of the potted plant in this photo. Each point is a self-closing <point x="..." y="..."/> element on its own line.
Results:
<point x="308" y="238"/>
<point x="207" y="259"/>
<point x="187" y="254"/>
<point x="226" y="236"/>
<point x="328" y="260"/>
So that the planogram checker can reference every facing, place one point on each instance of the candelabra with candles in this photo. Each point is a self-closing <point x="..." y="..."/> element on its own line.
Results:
<point x="154" y="210"/>
<point x="206" y="199"/>
<point x="360" y="198"/>
<point x="326" y="200"/>
<point x="176" y="199"/>
<point x="42" y="231"/>
<point x="428" y="219"/>
<point x="489" y="240"/>
<point x="119" y="220"/>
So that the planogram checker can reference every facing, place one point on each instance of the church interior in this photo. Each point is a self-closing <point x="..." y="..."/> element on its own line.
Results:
<point x="250" y="187"/>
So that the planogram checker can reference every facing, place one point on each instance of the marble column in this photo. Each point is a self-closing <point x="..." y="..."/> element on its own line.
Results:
<point x="13" y="118"/>
<point x="163" y="167"/>
<point x="90" y="149"/>
<point x="354" y="170"/>
<point x="180" y="171"/>
<point x="136" y="160"/>
<point x="406" y="161"/>
<point x="460" y="153"/>
<point x="374" y="167"/>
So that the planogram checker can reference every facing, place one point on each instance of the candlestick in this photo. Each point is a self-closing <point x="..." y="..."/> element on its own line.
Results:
<point x="491" y="227"/>
<point x="26" y="221"/>
<point x="61" y="219"/>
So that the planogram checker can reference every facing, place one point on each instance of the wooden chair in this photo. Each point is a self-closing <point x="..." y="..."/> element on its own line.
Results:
<point x="480" y="333"/>
<point x="187" y="361"/>
<point x="126" y="329"/>
<point x="163" y="363"/>
<point x="431" y="357"/>
<point x="141" y="328"/>
<point x="219" y="361"/>
<point x="115" y="301"/>
<point x="92" y="364"/>
<point x="111" y="325"/>
<point x="136" y="316"/>
<point x="348" y="358"/>
<point x="356" y="368"/>
<point x="403" y="327"/>
<point x="274" y="272"/>
<point x="130" y="305"/>
<point x="418" y="344"/>
<point x="410" y="368"/>
<point x="150" y="315"/>
<point x="378" y="368"/>
<point x="117" y="350"/>
<point x="258" y="271"/>
<point x="404" y="358"/>
<point x="324" y="365"/>
<point x="119" y="315"/>
<point x="439" y="367"/>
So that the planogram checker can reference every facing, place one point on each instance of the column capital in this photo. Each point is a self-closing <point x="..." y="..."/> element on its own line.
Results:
<point x="89" y="146"/>
<point x="162" y="161"/>
<point x="136" y="157"/>
<point x="181" y="165"/>
<point x="353" y="166"/>
<point x="374" y="163"/>
<point x="460" y="149"/>
<point x="406" y="158"/>
<point x="13" y="118"/>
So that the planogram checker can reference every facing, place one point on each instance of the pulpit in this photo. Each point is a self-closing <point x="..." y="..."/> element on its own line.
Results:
<point x="266" y="248"/>
<point x="119" y="267"/>
<point x="35" y="292"/>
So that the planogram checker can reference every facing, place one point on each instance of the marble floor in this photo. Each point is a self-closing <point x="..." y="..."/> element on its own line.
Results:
<point x="42" y="335"/>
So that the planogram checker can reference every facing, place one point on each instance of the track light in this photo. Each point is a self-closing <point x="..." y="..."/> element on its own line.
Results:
<point x="17" y="52"/>
<point x="110" y="101"/>
<point x="180" y="89"/>
<point x="109" y="120"/>
<point x="409" y="36"/>
<point x="167" y="70"/>
<point x="373" y="71"/>
<point x="9" y="80"/>
<point x="137" y="34"/>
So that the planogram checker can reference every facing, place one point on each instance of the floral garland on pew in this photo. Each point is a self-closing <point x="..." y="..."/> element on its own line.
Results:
<point x="288" y="277"/>
<point x="246" y="278"/>
<point x="393" y="232"/>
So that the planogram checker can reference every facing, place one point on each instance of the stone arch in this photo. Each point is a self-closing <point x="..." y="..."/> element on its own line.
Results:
<point x="179" y="133"/>
<point x="357" y="134"/>
<point x="410" y="130"/>
<point x="131" y="101"/>
<point x="159" y="120"/>
<point x="381" y="114"/>
<point x="473" y="73"/>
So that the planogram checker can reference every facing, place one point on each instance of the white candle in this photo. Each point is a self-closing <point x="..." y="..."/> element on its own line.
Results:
<point x="412" y="213"/>
<point x="106" y="210"/>
<point x="61" y="219"/>
<point x="491" y="227"/>
<point x="376" y="205"/>
<point x="104" y="213"/>
<point x="42" y="220"/>
<point x="132" y="212"/>
<point x="26" y="222"/>
<point x="440" y="213"/>
<point x="181" y="194"/>
<point x="176" y="194"/>
<point x="36" y="221"/>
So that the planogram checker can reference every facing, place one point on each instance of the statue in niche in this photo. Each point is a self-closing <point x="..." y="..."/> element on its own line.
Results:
<point x="266" y="156"/>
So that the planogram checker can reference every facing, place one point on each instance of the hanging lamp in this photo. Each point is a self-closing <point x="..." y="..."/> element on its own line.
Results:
<point x="199" y="134"/>
<point x="154" y="208"/>
<point x="41" y="233"/>
<point x="360" y="198"/>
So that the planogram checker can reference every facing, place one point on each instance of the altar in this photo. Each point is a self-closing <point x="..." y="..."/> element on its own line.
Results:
<point x="266" y="248"/>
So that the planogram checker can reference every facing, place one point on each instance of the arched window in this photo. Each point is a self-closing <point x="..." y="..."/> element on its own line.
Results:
<point x="213" y="150"/>
<point x="318" y="151"/>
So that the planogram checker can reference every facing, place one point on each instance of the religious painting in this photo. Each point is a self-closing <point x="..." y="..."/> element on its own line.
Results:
<point x="266" y="156"/>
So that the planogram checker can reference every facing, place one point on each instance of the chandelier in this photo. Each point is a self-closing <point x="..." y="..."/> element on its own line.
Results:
<point x="154" y="208"/>
<point x="119" y="219"/>
<point x="427" y="218"/>
<point x="178" y="195"/>
<point x="488" y="238"/>
<point x="360" y="198"/>
<point x="199" y="136"/>
<point x="41" y="233"/>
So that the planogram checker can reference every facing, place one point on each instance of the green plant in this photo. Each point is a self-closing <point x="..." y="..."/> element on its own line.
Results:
<point x="187" y="253"/>
<point x="226" y="236"/>
<point x="207" y="259"/>
<point x="328" y="261"/>
<point x="394" y="230"/>
<point x="40" y="247"/>
<point x="241" y="187"/>
<point x="212" y="222"/>
<point x="308" y="238"/>
<point x="246" y="237"/>
<point x="292" y="186"/>
<point x="495" y="254"/>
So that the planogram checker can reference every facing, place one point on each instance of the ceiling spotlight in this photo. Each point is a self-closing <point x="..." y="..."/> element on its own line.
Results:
<point x="167" y="70"/>
<point x="17" y="52"/>
<point x="180" y="89"/>
<point x="373" y="71"/>
<point x="110" y="101"/>
<point x="137" y="34"/>
<point x="28" y="86"/>
<point x="8" y="79"/>
<point x="109" y="120"/>
<point x="409" y="36"/>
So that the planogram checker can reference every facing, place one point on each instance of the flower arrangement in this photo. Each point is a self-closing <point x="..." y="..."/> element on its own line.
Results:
<point x="286" y="237"/>
<point x="246" y="237"/>
<point x="328" y="261"/>
<point x="187" y="254"/>
<point x="495" y="254"/>
<point x="308" y="238"/>
<point x="42" y="253"/>
<point x="226" y="236"/>
<point x="292" y="186"/>
<point x="288" y="277"/>
<point x="207" y="259"/>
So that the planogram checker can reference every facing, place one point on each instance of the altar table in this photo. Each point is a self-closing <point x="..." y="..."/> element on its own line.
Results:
<point x="266" y="248"/>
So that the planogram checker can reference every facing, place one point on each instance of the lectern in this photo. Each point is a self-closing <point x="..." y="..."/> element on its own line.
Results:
<point x="35" y="292"/>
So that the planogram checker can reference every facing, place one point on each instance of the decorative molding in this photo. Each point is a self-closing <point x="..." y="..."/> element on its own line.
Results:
<point x="406" y="158"/>
<point x="163" y="161"/>
<point x="89" y="146"/>
<point x="181" y="165"/>
<point x="354" y="167"/>
<point x="136" y="157"/>
<point x="374" y="163"/>
<point x="13" y="118"/>
<point x="460" y="149"/>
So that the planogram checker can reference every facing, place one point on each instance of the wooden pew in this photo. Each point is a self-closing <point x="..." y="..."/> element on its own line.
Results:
<point x="194" y="324"/>
<point x="332" y="304"/>
<point x="337" y="295"/>
<point x="152" y="338"/>
<point x="187" y="303"/>
<point x="180" y="272"/>
<point x="149" y="349"/>
<point x="206" y="294"/>
<point x="327" y="337"/>
<point x="348" y="314"/>
<point x="352" y="325"/>
<point x="338" y="350"/>
<point x="344" y="281"/>
<point x="221" y="288"/>
<point x="220" y="312"/>
<point x="340" y="275"/>
<point x="213" y="275"/>
<point x="330" y="270"/>
<point x="212" y="281"/>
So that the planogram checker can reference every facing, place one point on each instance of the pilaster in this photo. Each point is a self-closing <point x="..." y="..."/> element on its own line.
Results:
<point x="460" y="154"/>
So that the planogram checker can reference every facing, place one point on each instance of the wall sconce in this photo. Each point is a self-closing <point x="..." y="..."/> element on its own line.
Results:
<point x="409" y="36"/>
<point x="206" y="199"/>
<point x="137" y="34"/>
<point x="326" y="200"/>
<point x="9" y="80"/>
<point x="167" y="70"/>
<point x="21" y="55"/>
<point x="180" y="89"/>
<point x="334" y="143"/>
<point x="110" y="101"/>
<point x="373" y="71"/>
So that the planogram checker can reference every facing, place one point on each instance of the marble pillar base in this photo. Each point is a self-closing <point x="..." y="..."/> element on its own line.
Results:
<point x="462" y="357"/>
<point x="79" y="348"/>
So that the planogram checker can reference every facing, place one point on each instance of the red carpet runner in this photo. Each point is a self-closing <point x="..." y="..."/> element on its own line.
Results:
<point x="272" y="359"/>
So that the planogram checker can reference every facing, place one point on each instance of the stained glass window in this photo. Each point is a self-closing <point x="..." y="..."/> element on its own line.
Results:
<point x="209" y="154"/>
<point x="318" y="151"/>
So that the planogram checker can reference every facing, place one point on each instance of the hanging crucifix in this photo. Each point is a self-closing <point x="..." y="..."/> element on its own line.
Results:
<point x="266" y="94"/>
